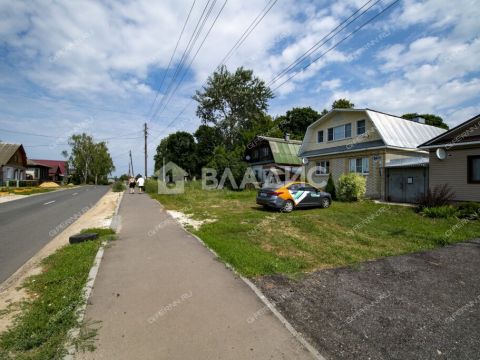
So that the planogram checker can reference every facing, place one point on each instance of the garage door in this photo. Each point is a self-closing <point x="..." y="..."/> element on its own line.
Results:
<point x="406" y="184"/>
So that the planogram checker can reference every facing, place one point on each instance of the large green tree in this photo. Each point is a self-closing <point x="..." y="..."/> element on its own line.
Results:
<point x="296" y="121"/>
<point x="89" y="160"/>
<point x="342" y="104"/>
<point x="208" y="137"/>
<point x="231" y="102"/>
<point x="180" y="148"/>
<point x="430" y="119"/>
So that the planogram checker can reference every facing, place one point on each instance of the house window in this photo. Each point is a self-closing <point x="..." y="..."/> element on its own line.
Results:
<point x="340" y="132"/>
<point x="473" y="169"/>
<point x="320" y="136"/>
<point x="359" y="165"/>
<point x="360" y="127"/>
<point x="323" y="167"/>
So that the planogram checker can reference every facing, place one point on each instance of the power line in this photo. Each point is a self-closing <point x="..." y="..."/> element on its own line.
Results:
<point x="171" y="57"/>
<point x="183" y="58"/>
<point x="194" y="56"/>
<point x="119" y="137"/>
<point x="323" y="40"/>
<point x="249" y="30"/>
<point x="338" y="43"/>
<point x="237" y="44"/>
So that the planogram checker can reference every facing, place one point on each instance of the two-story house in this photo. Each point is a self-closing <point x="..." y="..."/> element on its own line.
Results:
<point x="379" y="146"/>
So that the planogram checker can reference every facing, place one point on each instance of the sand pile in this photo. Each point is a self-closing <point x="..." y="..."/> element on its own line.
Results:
<point x="49" y="184"/>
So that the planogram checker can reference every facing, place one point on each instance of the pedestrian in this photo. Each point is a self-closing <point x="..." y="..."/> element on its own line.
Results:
<point x="131" y="185"/>
<point x="141" y="184"/>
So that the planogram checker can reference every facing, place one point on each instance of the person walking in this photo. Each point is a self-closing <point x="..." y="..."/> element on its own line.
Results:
<point x="131" y="185"/>
<point x="141" y="184"/>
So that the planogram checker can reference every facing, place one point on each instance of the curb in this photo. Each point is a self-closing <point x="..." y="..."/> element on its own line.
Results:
<point x="298" y="336"/>
<point x="92" y="275"/>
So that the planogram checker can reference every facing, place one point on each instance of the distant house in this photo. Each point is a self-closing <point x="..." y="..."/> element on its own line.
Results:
<point x="58" y="169"/>
<point x="379" y="146"/>
<point x="13" y="162"/>
<point x="273" y="158"/>
<point x="37" y="171"/>
<point x="455" y="160"/>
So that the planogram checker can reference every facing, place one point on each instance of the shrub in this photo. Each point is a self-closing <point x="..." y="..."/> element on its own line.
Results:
<point x="118" y="186"/>
<point x="151" y="186"/>
<point x="331" y="187"/>
<point x="445" y="211"/>
<point x="439" y="196"/>
<point x="351" y="187"/>
<point x="469" y="210"/>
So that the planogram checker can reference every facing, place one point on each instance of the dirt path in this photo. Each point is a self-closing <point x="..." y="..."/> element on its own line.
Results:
<point x="98" y="216"/>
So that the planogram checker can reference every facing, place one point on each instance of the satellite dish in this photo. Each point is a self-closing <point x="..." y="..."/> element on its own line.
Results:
<point x="247" y="157"/>
<point x="305" y="161"/>
<point x="441" y="154"/>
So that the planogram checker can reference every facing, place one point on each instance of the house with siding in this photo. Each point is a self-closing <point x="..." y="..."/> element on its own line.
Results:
<point x="13" y="162"/>
<point x="273" y="158"/>
<point x="381" y="147"/>
<point x="58" y="169"/>
<point x="454" y="158"/>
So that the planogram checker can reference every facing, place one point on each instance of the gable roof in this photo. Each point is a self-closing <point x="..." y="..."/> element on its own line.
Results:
<point x="462" y="130"/>
<point x="284" y="151"/>
<point x="394" y="131"/>
<point x="8" y="150"/>
<point x="54" y="165"/>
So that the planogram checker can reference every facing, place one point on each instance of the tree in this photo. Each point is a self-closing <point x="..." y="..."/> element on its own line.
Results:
<point x="430" y="119"/>
<point x="297" y="120"/>
<point x="81" y="155"/>
<point x="230" y="101"/>
<point x="180" y="148"/>
<point x="102" y="163"/>
<point x="342" y="104"/>
<point x="88" y="159"/>
<point x="208" y="138"/>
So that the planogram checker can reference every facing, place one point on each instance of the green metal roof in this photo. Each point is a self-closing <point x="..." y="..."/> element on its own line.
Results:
<point x="285" y="152"/>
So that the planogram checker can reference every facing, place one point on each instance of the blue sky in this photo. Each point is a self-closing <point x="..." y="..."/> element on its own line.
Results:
<point x="74" y="66"/>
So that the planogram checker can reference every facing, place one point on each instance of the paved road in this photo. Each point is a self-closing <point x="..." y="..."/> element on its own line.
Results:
<point x="26" y="225"/>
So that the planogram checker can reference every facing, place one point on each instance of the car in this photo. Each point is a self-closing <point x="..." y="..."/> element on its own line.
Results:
<point x="288" y="196"/>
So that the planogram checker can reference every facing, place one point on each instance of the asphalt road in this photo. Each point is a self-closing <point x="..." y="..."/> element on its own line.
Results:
<point x="26" y="225"/>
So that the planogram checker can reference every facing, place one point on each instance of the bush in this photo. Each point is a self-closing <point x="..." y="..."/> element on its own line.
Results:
<point x="445" y="211"/>
<point x="351" y="187"/>
<point x="151" y="186"/>
<point x="441" y="195"/>
<point x="469" y="210"/>
<point x="331" y="187"/>
<point x="118" y="186"/>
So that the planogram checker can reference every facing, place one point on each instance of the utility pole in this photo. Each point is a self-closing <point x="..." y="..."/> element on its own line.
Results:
<point x="146" y="134"/>
<point x="131" y="164"/>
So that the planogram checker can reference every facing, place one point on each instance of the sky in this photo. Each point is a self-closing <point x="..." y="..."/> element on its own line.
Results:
<point x="107" y="67"/>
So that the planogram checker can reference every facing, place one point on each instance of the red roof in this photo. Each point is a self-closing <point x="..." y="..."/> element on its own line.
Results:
<point x="56" y="166"/>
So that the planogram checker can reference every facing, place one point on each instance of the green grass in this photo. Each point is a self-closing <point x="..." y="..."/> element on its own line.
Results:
<point x="40" y="330"/>
<point x="26" y="190"/>
<point x="259" y="242"/>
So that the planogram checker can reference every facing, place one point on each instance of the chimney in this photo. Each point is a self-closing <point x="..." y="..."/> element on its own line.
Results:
<point x="287" y="137"/>
<point x="419" y="119"/>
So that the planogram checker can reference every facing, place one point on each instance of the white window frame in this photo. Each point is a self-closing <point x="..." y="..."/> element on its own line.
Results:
<point x="364" y="127"/>
<point x="359" y="165"/>
<point x="322" y="167"/>
<point x="344" y="126"/>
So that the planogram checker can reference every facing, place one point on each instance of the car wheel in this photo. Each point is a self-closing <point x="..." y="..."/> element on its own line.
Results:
<point x="325" y="203"/>
<point x="287" y="207"/>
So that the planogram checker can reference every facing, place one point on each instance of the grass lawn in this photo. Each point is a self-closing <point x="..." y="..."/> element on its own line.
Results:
<point x="40" y="330"/>
<point x="258" y="242"/>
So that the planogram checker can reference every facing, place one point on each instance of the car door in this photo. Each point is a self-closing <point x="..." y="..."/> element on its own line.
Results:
<point x="298" y="194"/>
<point x="312" y="198"/>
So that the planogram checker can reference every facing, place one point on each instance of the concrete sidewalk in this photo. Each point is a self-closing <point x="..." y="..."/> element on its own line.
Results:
<point x="160" y="294"/>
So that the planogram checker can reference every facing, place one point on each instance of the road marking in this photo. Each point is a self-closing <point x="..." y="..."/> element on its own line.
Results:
<point x="50" y="202"/>
<point x="74" y="194"/>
